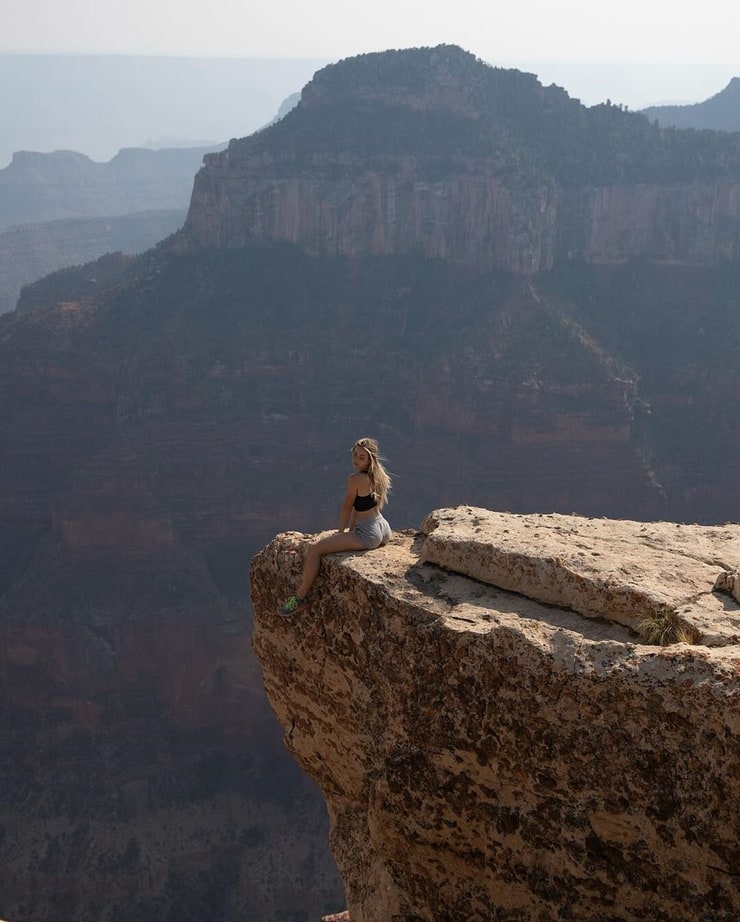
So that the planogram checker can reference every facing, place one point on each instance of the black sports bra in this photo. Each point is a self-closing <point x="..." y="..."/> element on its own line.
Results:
<point x="365" y="503"/>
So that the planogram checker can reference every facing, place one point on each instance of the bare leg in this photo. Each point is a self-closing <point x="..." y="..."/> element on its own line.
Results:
<point x="332" y="544"/>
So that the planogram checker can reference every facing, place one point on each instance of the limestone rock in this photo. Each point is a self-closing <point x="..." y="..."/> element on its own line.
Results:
<point x="634" y="573"/>
<point x="729" y="582"/>
<point x="489" y="755"/>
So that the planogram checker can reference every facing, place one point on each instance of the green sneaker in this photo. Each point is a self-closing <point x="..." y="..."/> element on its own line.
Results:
<point x="291" y="605"/>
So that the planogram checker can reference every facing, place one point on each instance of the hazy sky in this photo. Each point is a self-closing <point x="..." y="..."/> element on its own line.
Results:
<point x="640" y="52"/>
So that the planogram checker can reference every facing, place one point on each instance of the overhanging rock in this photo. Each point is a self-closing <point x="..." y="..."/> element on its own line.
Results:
<point x="487" y="755"/>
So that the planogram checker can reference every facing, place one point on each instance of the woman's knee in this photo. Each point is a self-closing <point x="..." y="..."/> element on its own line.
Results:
<point x="317" y="549"/>
<point x="313" y="551"/>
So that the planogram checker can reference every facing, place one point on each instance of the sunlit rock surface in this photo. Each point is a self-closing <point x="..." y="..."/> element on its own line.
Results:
<point x="487" y="753"/>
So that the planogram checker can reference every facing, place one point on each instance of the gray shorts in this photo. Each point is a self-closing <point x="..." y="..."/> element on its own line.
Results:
<point x="373" y="532"/>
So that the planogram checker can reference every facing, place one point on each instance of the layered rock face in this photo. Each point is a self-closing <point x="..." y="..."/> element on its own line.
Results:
<point x="491" y="189"/>
<point x="345" y="209"/>
<point x="471" y="218"/>
<point x="505" y="746"/>
<point x="693" y="223"/>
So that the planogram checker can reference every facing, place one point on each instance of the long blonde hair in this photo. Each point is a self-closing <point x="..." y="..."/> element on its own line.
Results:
<point x="380" y="479"/>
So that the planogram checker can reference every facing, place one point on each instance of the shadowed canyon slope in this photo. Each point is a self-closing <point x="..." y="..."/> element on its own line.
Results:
<point x="505" y="747"/>
<point x="33" y="251"/>
<point x="720" y="112"/>
<point x="63" y="209"/>
<point x="38" y="187"/>
<point x="534" y="307"/>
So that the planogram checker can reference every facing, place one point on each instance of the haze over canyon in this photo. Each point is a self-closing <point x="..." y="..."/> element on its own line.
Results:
<point x="532" y="304"/>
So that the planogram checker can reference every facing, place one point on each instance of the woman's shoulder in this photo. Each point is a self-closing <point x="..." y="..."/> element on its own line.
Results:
<point x="359" y="479"/>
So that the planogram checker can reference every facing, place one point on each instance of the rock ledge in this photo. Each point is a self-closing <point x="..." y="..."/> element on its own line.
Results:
<point x="639" y="574"/>
<point x="489" y="755"/>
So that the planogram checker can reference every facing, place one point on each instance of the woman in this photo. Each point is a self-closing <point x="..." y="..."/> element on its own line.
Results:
<point x="361" y="524"/>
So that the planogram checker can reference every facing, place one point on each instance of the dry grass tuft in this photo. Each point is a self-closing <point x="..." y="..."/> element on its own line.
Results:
<point x="666" y="627"/>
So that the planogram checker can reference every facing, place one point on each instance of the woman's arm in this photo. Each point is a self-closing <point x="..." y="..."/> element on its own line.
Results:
<point x="347" y="513"/>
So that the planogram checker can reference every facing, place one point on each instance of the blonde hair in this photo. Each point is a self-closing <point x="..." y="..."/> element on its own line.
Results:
<point x="380" y="479"/>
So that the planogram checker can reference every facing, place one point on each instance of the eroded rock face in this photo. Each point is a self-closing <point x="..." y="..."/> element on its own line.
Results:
<point x="473" y="219"/>
<point x="485" y="755"/>
<point x="428" y="151"/>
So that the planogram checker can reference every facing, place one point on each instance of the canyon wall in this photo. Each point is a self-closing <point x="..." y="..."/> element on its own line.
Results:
<point x="431" y="152"/>
<point x="162" y="416"/>
<point x="506" y="747"/>
<point x="344" y="209"/>
<point x="472" y="216"/>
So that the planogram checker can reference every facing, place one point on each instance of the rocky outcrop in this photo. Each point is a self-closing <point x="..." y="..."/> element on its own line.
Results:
<point x="640" y="574"/>
<point x="489" y="752"/>
<point x="431" y="152"/>
<point x="729" y="582"/>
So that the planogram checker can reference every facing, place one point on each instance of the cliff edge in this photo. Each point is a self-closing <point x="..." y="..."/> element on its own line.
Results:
<point x="504" y="743"/>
